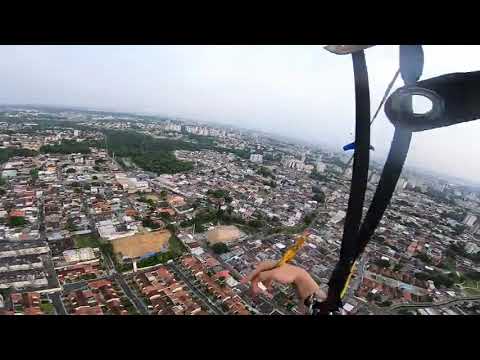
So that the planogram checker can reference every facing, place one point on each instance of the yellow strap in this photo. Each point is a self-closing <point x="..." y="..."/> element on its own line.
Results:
<point x="292" y="251"/>
<point x="342" y="294"/>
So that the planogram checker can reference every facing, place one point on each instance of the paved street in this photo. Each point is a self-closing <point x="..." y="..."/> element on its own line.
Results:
<point x="81" y="284"/>
<point x="138" y="303"/>
<point x="355" y="284"/>
<point x="58" y="303"/>
<point x="432" y="305"/>
<point x="200" y="295"/>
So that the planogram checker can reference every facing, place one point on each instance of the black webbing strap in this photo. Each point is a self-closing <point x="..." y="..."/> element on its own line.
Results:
<point x="455" y="99"/>
<point x="361" y="158"/>
<point x="358" y="184"/>
<point x="354" y="240"/>
<point x="386" y="186"/>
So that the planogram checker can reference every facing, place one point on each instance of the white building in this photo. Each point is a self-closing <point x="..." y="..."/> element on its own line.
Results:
<point x="173" y="127"/>
<point x="374" y="178"/>
<point x="471" y="248"/>
<point x="470" y="219"/>
<point x="76" y="255"/>
<point x="401" y="184"/>
<point x="292" y="163"/>
<point x="321" y="167"/>
<point x="339" y="216"/>
<point x="256" y="158"/>
<point x="132" y="185"/>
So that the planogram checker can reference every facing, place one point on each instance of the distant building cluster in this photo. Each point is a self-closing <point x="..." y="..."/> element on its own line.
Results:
<point x="88" y="232"/>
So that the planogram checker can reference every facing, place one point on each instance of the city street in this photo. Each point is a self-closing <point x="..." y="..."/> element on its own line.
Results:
<point x="193" y="287"/>
<point x="58" y="303"/>
<point x="138" y="303"/>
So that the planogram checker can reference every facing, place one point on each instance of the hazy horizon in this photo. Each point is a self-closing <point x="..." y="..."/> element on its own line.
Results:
<point x="301" y="92"/>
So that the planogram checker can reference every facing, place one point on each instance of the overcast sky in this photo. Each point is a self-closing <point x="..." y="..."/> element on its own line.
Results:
<point x="301" y="91"/>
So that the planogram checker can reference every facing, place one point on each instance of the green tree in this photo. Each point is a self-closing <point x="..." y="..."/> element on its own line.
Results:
<point x="69" y="147"/>
<point x="382" y="263"/>
<point x="34" y="174"/>
<point x="8" y="153"/>
<point x="424" y="257"/>
<point x="265" y="172"/>
<point x="151" y="202"/>
<point x="147" y="222"/>
<point x="163" y="194"/>
<point x="217" y="193"/>
<point x="16" y="221"/>
<point x="309" y="218"/>
<point x="317" y="176"/>
<point x="220" y="248"/>
<point x="257" y="223"/>
<point x="71" y="225"/>
<point x="319" y="197"/>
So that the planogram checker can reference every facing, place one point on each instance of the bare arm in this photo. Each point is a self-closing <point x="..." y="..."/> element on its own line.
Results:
<point x="266" y="273"/>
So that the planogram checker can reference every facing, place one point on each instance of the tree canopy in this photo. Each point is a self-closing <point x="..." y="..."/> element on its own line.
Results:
<point x="6" y="154"/>
<point x="220" y="248"/>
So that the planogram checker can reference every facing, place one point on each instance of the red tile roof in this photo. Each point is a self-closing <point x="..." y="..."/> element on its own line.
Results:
<point x="17" y="213"/>
<point x="87" y="310"/>
<point x="99" y="284"/>
<point x="33" y="311"/>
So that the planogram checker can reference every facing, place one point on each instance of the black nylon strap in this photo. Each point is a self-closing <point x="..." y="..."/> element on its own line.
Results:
<point x="386" y="186"/>
<point x="383" y="194"/>
<point x="358" y="186"/>
<point x="361" y="158"/>
<point x="455" y="98"/>
<point x="354" y="238"/>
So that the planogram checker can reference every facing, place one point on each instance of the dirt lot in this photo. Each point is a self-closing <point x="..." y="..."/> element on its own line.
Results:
<point x="140" y="244"/>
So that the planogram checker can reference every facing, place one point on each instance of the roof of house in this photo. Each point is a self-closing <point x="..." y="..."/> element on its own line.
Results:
<point x="33" y="311"/>
<point x="87" y="310"/>
<point x="97" y="284"/>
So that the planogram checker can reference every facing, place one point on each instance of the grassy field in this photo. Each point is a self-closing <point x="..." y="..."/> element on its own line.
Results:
<point x="152" y="197"/>
<point x="471" y="287"/>
<point x="175" y="249"/>
<point x="47" y="308"/>
<point x="175" y="246"/>
<point x="82" y="241"/>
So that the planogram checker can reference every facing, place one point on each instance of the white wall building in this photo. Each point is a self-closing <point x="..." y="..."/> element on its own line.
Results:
<point x="256" y="158"/>
<point x="470" y="219"/>
<point x="321" y="167"/>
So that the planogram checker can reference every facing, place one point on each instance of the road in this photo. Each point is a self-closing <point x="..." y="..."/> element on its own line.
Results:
<point x="81" y="284"/>
<point x="58" y="303"/>
<point x="201" y="295"/>
<point x="358" y="279"/>
<point x="431" y="305"/>
<point x="139" y="305"/>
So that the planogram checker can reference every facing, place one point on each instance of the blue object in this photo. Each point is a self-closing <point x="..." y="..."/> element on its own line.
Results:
<point x="147" y="255"/>
<point x="351" y="146"/>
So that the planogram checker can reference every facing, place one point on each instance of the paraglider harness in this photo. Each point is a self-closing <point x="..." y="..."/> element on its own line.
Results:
<point x="455" y="99"/>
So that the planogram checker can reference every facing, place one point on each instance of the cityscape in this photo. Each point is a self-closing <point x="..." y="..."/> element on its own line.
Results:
<point x="122" y="214"/>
